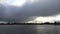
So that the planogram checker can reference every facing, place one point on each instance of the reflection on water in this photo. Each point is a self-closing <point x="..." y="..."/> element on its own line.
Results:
<point x="29" y="29"/>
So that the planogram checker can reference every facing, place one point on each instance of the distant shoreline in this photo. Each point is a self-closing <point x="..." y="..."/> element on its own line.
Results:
<point x="45" y="23"/>
<point x="30" y="24"/>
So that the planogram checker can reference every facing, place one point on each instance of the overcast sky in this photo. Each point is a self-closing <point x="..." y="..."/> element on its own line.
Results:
<point x="29" y="10"/>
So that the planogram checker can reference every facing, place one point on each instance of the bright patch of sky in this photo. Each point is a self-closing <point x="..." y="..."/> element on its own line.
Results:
<point x="42" y="19"/>
<point x="13" y="2"/>
<point x="17" y="2"/>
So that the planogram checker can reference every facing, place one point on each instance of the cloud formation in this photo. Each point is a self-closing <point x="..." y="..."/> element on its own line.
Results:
<point x="28" y="11"/>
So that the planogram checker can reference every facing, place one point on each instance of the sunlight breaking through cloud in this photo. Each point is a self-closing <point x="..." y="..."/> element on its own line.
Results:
<point x="13" y="2"/>
<point x="18" y="3"/>
<point x="42" y="19"/>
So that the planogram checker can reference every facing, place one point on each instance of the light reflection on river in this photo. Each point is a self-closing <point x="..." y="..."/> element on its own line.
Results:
<point x="29" y="29"/>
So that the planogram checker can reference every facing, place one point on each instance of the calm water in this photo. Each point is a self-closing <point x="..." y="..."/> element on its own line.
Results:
<point x="29" y="29"/>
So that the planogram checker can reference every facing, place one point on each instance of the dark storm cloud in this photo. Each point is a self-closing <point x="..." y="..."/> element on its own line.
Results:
<point x="40" y="8"/>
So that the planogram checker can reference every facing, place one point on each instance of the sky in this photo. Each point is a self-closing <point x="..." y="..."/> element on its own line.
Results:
<point x="29" y="10"/>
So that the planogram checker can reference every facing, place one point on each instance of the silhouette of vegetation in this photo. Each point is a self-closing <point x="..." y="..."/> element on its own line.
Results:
<point x="46" y="23"/>
<point x="1" y="23"/>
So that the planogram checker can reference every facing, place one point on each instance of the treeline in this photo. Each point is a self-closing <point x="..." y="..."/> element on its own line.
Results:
<point x="46" y="23"/>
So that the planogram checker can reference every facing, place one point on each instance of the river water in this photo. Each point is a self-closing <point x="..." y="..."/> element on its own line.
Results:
<point x="29" y="29"/>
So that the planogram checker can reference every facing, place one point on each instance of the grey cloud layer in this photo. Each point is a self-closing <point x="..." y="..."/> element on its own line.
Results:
<point x="40" y="8"/>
